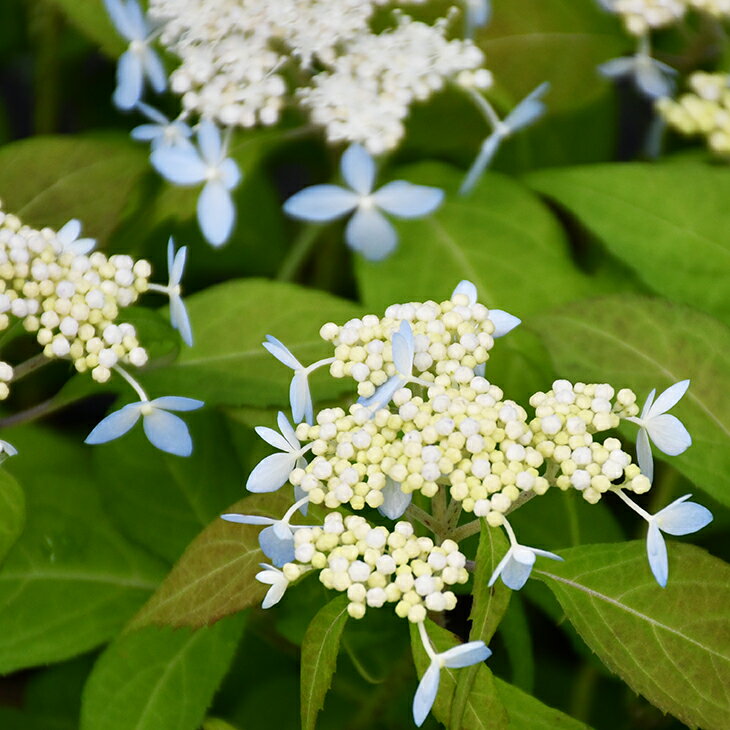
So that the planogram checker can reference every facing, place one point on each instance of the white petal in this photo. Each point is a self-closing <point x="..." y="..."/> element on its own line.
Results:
<point x="648" y="403"/>
<point x="177" y="264"/>
<point x="275" y="593"/>
<point x="500" y="567"/>
<point x="426" y="693"/>
<point x="230" y="173"/>
<point x="465" y="655"/>
<point x="180" y="320"/>
<point x="277" y="544"/>
<point x="481" y="162"/>
<point x="668" y="434"/>
<point x="288" y="432"/>
<point x="153" y="114"/>
<point x="116" y="424"/>
<point x="300" y="398"/>
<point x="395" y="500"/>
<point x="7" y="448"/>
<point x="515" y="574"/>
<point x="656" y="551"/>
<point x="216" y="213"/>
<point x="370" y="233"/>
<point x="129" y="80"/>
<point x="523" y="555"/>
<point x="180" y="165"/>
<point x="403" y="349"/>
<point x="381" y="397"/>
<point x="69" y="232"/>
<point x="81" y="246"/>
<point x="137" y="20"/>
<point x="405" y="200"/>
<point x="247" y="519"/>
<point x="147" y="132"/>
<point x="683" y="518"/>
<point x="281" y="352"/>
<point x="154" y="70"/>
<point x="273" y="438"/>
<point x="119" y="17"/>
<point x="503" y="322"/>
<point x="358" y="169"/>
<point x="468" y="289"/>
<point x="617" y="67"/>
<point x="168" y="433"/>
<point x="209" y="139"/>
<point x="528" y="110"/>
<point x="643" y="454"/>
<point x="270" y="473"/>
<point x="321" y="203"/>
<point x="668" y="399"/>
<point x="652" y="79"/>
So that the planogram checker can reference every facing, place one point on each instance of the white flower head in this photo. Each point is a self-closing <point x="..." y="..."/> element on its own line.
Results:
<point x="652" y="78"/>
<point x="69" y="241"/>
<point x="457" y="657"/>
<point x="666" y="431"/>
<point x="139" y="60"/>
<point x="368" y="230"/>
<point x="209" y="165"/>
<point x="161" y="132"/>
<point x="277" y="580"/>
<point x="273" y="471"/>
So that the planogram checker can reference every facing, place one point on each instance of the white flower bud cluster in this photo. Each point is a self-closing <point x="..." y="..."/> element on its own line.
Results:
<point x="451" y="338"/>
<point x="566" y="418"/>
<point x="375" y="566"/>
<point x="642" y="16"/>
<point x="234" y="53"/>
<point x="6" y="376"/>
<point x="70" y="300"/>
<point x="705" y="111"/>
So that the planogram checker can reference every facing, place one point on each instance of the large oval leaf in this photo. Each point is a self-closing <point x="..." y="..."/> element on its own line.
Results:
<point x="672" y="645"/>
<point x="12" y="512"/>
<point x="642" y="344"/>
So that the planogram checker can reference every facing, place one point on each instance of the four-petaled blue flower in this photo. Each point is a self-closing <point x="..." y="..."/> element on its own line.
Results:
<point x="651" y="77"/>
<point x="161" y="132"/>
<point x="164" y="430"/>
<point x="368" y="231"/>
<point x="207" y="164"/>
<point x="139" y="60"/>
<point x="516" y="566"/>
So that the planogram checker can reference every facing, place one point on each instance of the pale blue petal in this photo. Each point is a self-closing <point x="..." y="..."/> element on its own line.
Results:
<point x="120" y="19"/>
<point x="176" y="403"/>
<point x="500" y="567"/>
<point x="683" y="518"/>
<point x="8" y="448"/>
<point x="180" y="320"/>
<point x="653" y="80"/>
<point x="643" y="454"/>
<point x="69" y="232"/>
<point x="299" y="493"/>
<point x="273" y="438"/>
<point x="167" y="432"/>
<point x="230" y="173"/>
<point x="247" y="519"/>
<point x="154" y="70"/>
<point x="406" y="200"/>
<point x="403" y="347"/>
<point x="478" y="13"/>
<point x="274" y="594"/>
<point x="668" y="434"/>
<point x="287" y="431"/>
<point x="528" y="110"/>
<point x="648" y="403"/>
<point x="545" y="554"/>
<point x="281" y="352"/>
<point x="81" y="246"/>
<point x="382" y="396"/>
<point x="321" y="203"/>
<point x="147" y="132"/>
<point x="209" y="139"/>
<point x="216" y="213"/>
<point x="668" y="399"/>
<point x="395" y="500"/>
<point x="617" y="67"/>
<point x="426" y="693"/>
<point x="153" y="114"/>
<point x="503" y="322"/>
<point x="656" y="550"/>
<point x="277" y="546"/>
<point x="170" y="259"/>
<point x="467" y="289"/>
<point x="179" y="165"/>
<point x="270" y="473"/>
<point x="481" y="162"/>
<point x="358" y="169"/>
<point x="129" y="80"/>
<point x="178" y="263"/>
<point x="137" y="21"/>
<point x="516" y="573"/>
<point x="300" y="398"/>
<point x="465" y="655"/>
<point x="480" y="370"/>
<point x="115" y="424"/>
<point x="370" y="233"/>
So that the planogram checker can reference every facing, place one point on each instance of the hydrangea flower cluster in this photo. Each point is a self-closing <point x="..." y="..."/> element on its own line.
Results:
<point x="704" y="111"/>
<point x="428" y="421"/>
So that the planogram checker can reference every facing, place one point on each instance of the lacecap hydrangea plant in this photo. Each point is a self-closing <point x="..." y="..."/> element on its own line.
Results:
<point x="429" y="427"/>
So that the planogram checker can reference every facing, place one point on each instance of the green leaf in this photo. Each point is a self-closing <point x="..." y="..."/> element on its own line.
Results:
<point x="527" y="713"/>
<point x="500" y="237"/>
<point x="514" y="630"/>
<point x="487" y="610"/>
<point x="71" y="580"/>
<point x="48" y="180"/>
<point x="319" y="658"/>
<point x="215" y="576"/>
<point x="12" y="512"/>
<point x="666" y="222"/>
<point x="670" y="645"/>
<point x="159" y="677"/>
<point x="90" y="17"/>
<point x="561" y="41"/>
<point x="640" y="343"/>
<point x="484" y="709"/>
<point x="228" y="364"/>
<point x="162" y="501"/>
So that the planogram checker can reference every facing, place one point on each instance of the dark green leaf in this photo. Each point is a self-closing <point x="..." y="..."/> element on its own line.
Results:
<point x="91" y="18"/>
<point x="12" y="512"/>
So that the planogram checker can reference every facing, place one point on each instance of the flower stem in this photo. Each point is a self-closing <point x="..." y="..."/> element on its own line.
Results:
<point x="137" y="387"/>
<point x="29" y="366"/>
<point x="422" y="517"/>
<point x="299" y="252"/>
<point x="31" y="414"/>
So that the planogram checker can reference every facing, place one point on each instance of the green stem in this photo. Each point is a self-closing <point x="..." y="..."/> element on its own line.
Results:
<point x="299" y="252"/>
<point x="45" y="27"/>
<point x="30" y="414"/>
<point x="467" y="530"/>
<point x="29" y="366"/>
<point x="419" y="515"/>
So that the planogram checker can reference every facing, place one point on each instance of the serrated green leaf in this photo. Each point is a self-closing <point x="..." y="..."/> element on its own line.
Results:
<point x="665" y="222"/>
<point x="90" y="17"/>
<point x="215" y="576"/>
<point x="527" y="713"/>
<point x="162" y="501"/>
<point x="641" y="343"/>
<point x="71" y="580"/>
<point x="12" y="512"/>
<point x="319" y="657"/>
<point x="48" y="180"/>
<point x="487" y="610"/>
<point x="669" y="644"/>
<point x="156" y="677"/>
<point x="228" y="365"/>
<point x="484" y="709"/>
<point x="500" y="237"/>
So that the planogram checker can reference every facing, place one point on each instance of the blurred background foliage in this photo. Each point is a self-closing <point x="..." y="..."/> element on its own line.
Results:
<point x="618" y="270"/>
